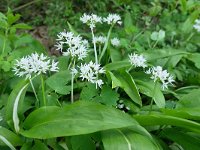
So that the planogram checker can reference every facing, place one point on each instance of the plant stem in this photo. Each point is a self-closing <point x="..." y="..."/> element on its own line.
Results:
<point x="43" y="91"/>
<point x="37" y="100"/>
<point x="106" y="44"/>
<point x="72" y="84"/>
<point x="95" y="49"/>
<point x="153" y="96"/>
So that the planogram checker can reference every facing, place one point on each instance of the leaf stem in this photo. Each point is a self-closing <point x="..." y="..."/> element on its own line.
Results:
<point x="72" y="84"/>
<point x="153" y="96"/>
<point x="95" y="49"/>
<point x="43" y="91"/>
<point x="37" y="100"/>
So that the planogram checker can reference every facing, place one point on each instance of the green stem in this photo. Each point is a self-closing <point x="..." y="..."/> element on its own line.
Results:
<point x="72" y="85"/>
<point x="106" y="44"/>
<point x="37" y="100"/>
<point x="155" y="44"/>
<point x="43" y="91"/>
<point x="153" y="96"/>
<point x="95" y="49"/>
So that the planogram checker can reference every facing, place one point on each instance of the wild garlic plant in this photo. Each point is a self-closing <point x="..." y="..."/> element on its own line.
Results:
<point x="77" y="48"/>
<point x="30" y="67"/>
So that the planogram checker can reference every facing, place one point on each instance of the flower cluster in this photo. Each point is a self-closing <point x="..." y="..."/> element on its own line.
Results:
<point x="162" y="75"/>
<point x="100" y="39"/>
<point x="197" y="25"/>
<point x="74" y="45"/>
<point x="90" y="73"/>
<point x="113" y="19"/>
<point x="34" y="64"/>
<point x="137" y="60"/>
<point x="115" y="42"/>
<point x="91" y="20"/>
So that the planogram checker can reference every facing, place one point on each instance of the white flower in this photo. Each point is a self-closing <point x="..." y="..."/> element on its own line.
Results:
<point x="115" y="42"/>
<point x="137" y="60"/>
<point x="34" y="64"/>
<point x="74" y="71"/>
<point x="90" y="72"/>
<point x="113" y="19"/>
<point x="100" y="39"/>
<point x="91" y="20"/>
<point x="69" y="44"/>
<point x="197" y="25"/>
<point x="162" y="75"/>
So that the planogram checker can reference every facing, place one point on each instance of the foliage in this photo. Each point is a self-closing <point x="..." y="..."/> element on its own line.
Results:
<point x="114" y="96"/>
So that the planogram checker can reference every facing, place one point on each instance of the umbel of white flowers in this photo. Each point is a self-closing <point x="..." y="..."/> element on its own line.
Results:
<point x="115" y="42"/>
<point x="90" y="72"/>
<point x="34" y="64"/>
<point x="137" y="60"/>
<point x="157" y="73"/>
<point x="69" y="44"/>
<point x="92" y="19"/>
<point x="197" y="25"/>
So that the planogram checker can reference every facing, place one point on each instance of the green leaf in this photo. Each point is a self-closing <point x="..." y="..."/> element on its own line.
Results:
<point x="187" y="141"/>
<point x="147" y="88"/>
<point x="108" y="96"/>
<point x="126" y="82"/>
<point x="195" y="58"/>
<point x="88" y="92"/>
<point x="14" y="139"/>
<point x="117" y="65"/>
<point x="58" y="82"/>
<point x="190" y="100"/>
<point x="126" y="140"/>
<point x="161" y="119"/>
<point x="82" y="142"/>
<point x="39" y="146"/>
<point x="22" y="26"/>
<point x="16" y="95"/>
<point x="81" y="117"/>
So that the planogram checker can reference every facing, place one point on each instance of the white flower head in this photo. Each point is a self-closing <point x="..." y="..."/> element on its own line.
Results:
<point x="157" y="73"/>
<point x="91" y="20"/>
<point x="113" y="19"/>
<point x="100" y="39"/>
<point x="34" y="64"/>
<point x="137" y="60"/>
<point x="90" y="72"/>
<point x="72" y="45"/>
<point x="197" y="25"/>
<point x="115" y="42"/>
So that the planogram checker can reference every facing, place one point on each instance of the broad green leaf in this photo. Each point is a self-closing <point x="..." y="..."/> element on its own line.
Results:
<point x="81" y="117"/>
<point x="126" y="82"/>
<point x="58" y="82"/>
<point x="88" y="92"/>
<point x="190" y="100"/>
<point x="82" y="142"/>
<point x="117" y="65"/>
<point x="195" y="58"/>
<point x="187" y="113"/>
<point x="38" y="145"/>
<point x="187" y="141"/>
<point x="161" y="119"/>
<point x="109" y="96"/>
<point x="16" y="95"/>
<point x="147" y="88"/>
<point x="11" y="137"/>
<point x="22" y="26"/>
<point x="163" y="53"/>
<point x="126" y="140"/>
